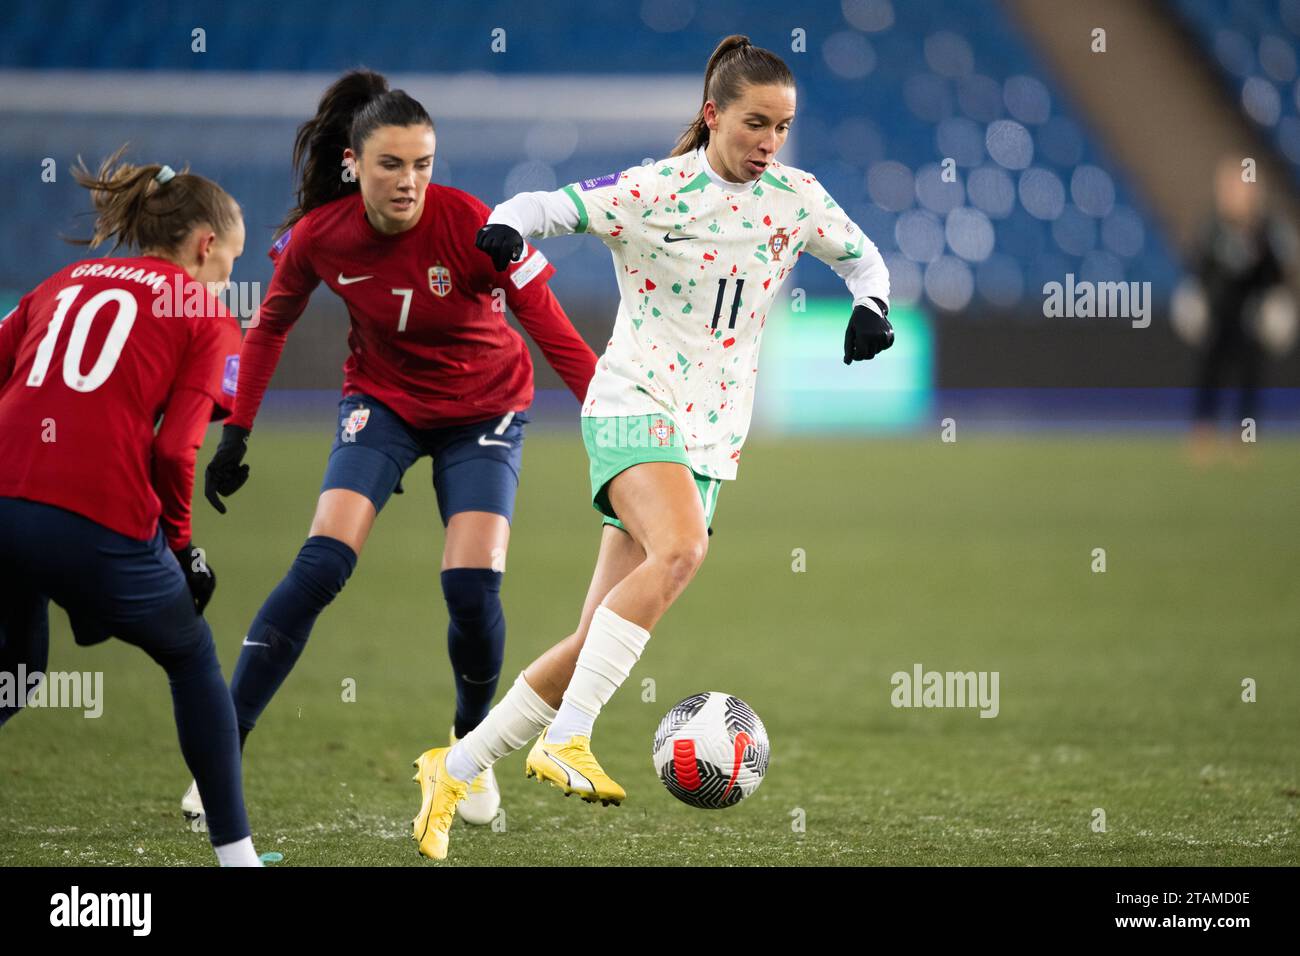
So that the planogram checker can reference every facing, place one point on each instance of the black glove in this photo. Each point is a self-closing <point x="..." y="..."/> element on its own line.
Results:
<point x="198" y="576"/>
<point x="869" y="332"/>
<point x="225" y="475"/>
<point x="501" y="242"/>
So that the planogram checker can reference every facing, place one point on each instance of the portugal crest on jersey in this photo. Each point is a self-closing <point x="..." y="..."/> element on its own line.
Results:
<point x="439" y="280"/>
<point x="777" y="242"/>
<point x="663" y="431"/>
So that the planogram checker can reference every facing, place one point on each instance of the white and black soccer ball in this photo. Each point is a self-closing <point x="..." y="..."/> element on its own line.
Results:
<point x="711" y="750"/>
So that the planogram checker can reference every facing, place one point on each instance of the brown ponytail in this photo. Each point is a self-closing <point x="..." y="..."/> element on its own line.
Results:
<point x="355" y="105"/>
<point x="735" y="64"/>
<point x="136" y="210"/>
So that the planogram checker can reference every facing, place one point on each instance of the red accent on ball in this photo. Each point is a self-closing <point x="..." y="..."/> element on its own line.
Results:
<point x="688" y="774"/>
<point x="742" y="741"/>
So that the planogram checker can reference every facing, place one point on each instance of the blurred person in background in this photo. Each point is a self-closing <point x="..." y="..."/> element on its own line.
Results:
<point x="1235" y="306"/>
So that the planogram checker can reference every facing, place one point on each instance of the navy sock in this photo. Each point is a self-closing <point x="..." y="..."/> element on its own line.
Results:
<point x="181" y="643"/>
<point x="279" y="633"/>
<point x="476" y="640"/>
<point x="205" y="724"/>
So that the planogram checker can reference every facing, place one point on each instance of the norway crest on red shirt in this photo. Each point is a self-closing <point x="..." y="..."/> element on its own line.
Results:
<point x="439" y="280"/>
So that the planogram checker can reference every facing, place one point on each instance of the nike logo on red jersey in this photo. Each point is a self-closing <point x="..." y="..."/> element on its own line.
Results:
<point x="345" y="280"/>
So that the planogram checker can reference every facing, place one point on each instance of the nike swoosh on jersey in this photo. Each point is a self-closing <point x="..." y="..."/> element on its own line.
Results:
<point x="669" y="237"/>
<point x="575" y="779"/>
<point x="485" y="441"/>
<point x="348" y="280"/>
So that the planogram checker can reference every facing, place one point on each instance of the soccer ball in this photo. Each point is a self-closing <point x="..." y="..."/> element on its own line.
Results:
<point x="711" y="750"/>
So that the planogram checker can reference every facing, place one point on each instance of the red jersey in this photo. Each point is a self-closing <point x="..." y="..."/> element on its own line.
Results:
<point x="89" y="360"/>
<point x="428" y="333"/>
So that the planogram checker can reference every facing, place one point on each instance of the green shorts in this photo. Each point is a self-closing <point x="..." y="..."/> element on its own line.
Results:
<point x="615" y="444"/>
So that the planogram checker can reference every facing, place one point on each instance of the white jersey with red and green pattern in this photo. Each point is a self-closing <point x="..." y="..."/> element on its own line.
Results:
<point x="699" y="262"/>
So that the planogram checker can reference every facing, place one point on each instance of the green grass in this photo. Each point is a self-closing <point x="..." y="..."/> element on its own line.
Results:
<point x="1118" y="690"/>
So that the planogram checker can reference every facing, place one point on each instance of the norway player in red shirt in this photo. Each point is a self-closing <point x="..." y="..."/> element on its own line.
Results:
<point x="91" y="497"/>
<point x="434" y="370"/>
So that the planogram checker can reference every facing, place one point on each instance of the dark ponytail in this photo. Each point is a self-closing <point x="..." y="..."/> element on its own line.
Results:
<point x="735" y="64"/>
<point x="358" y="103"/>
<point x="135" y="209"/>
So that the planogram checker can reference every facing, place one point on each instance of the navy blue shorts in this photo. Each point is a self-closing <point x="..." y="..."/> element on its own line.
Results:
<point x="110" y="585"/>
<point x="475" y="466"/>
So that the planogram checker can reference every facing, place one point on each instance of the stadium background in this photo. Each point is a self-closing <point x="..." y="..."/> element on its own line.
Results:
<point x="1121" y="687"/>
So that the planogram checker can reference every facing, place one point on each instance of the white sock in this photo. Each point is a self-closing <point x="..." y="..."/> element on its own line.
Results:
<point x="239" y="853"/>
<point x="612" y="648"/>
<point x="519" y="717"/>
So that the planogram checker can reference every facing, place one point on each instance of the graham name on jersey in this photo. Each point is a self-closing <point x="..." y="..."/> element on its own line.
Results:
<point x="177" y="296"/>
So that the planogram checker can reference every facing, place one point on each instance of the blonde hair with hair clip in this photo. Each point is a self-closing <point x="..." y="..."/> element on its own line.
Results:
<point x="152" y="206"/>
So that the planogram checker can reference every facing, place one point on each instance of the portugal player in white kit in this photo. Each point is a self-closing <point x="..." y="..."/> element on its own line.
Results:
<point x="701" y="242"/>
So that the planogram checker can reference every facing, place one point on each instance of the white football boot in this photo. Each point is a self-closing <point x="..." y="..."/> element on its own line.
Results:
<point x="191" y="803"/>
<point x="481" y="804"/>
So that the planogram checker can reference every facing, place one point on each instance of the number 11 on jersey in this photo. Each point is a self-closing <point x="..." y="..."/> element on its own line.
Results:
<point x="735" y="302"/>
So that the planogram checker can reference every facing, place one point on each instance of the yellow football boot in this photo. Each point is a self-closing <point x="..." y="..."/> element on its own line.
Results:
<point x="439" y="794"/>
<point x="573" y="768"/>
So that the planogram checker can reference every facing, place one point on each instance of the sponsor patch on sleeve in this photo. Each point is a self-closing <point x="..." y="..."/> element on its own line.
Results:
<point x="587" y="185"/>
<point x="230" y="376"/>
<point x="528" y="269"/>
<point x="278" y="246"/>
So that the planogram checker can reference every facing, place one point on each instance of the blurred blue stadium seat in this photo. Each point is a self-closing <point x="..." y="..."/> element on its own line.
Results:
<point x="1255" y="47"/>
<point x="887" y="91"/>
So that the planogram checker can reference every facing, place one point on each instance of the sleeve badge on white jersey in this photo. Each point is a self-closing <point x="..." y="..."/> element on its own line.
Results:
<point x="609" y="179"/>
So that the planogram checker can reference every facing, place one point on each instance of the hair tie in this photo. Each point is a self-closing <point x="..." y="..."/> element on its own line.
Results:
<point x="164" y="175"/>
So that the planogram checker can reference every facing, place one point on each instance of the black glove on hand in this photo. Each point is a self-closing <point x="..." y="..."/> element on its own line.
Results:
<point x="225" y="475"/>
<point x="501" y="242"/>
<point x="869" y="332"/>
<point x="198" y="576"/>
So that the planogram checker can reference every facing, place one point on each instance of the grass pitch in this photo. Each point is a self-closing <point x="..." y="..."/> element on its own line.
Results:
<point x="1119" y="691"/>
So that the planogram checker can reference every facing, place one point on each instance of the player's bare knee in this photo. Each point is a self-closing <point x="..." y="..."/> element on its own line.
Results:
<point x="353" y="541"/>
<point x="683" y="558"/>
